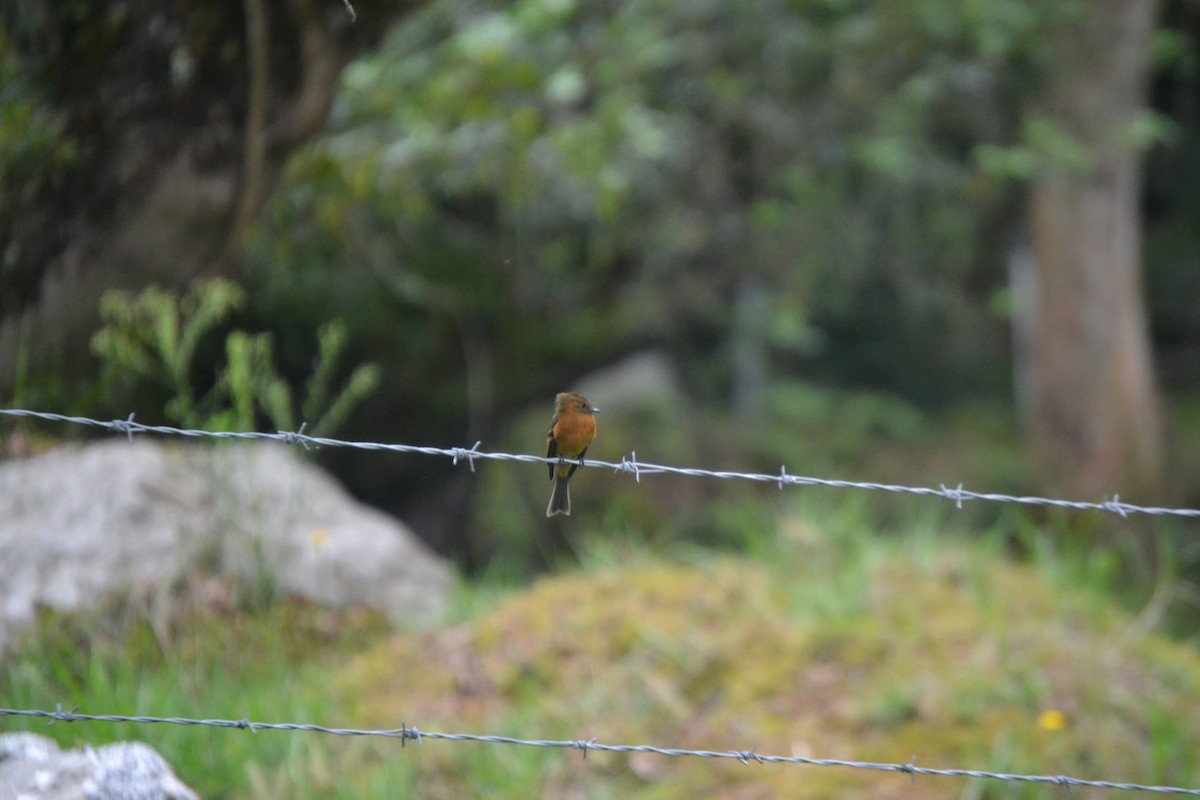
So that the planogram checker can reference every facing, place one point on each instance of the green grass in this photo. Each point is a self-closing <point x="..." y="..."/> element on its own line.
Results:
<point x="837" y="636"/>
<point x="269" y="667"/>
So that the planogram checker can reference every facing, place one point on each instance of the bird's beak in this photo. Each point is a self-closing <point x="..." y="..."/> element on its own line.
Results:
<point x="595" y="410"/>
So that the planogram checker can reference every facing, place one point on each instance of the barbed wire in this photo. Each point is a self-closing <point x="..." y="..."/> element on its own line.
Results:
<point x="406" y="733"/>
<point x="627" y="465"/>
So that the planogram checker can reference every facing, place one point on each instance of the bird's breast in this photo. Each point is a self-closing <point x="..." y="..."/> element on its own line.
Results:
<point x="573" y="434"/>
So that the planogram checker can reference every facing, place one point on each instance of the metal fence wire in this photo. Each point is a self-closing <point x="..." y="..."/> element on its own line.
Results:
<point x="407" y="733"/>
<point x="628" y="465"/>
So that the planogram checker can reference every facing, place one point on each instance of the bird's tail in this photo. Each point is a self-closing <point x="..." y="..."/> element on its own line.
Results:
<point x="560" y="498"/>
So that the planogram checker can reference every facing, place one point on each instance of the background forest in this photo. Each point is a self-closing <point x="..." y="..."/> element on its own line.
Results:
<point x="924" y="242"/>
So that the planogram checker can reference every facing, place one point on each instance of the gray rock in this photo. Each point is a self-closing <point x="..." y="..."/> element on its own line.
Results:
<point x="643" y="379"/>
<point x="82" y="522"/>
<point x="33" y="766"/>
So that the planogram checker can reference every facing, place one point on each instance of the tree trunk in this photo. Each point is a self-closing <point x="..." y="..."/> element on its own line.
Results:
<point x="1094" y="427"/>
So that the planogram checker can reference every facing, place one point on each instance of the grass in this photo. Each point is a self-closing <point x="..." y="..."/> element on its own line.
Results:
<point x="845" y="645"/>
<point x="834" y="638"/>
<point x="267" y="666"/>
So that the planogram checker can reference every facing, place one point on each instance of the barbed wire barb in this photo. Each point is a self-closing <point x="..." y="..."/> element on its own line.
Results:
<point x="296" y="437"/>
<point x="628" y="465"/>
<point x="468" y="455"/>
<point x="1115" y="505"/>
<point x="955" y="494"/>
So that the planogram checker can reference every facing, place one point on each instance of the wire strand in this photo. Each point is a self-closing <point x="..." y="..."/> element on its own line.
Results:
<point x="407" y="733"/>
<point x="628" y="465"/>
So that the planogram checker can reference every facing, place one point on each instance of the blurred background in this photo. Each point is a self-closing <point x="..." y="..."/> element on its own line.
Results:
<point x="799" y="231"/>
<point x="925" y="242"/>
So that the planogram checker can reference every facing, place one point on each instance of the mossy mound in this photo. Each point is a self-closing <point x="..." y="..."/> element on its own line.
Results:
<point x="958" y="660"/>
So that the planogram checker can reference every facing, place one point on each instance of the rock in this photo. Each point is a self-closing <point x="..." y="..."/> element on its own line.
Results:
<point x="645" y="378"/>
<point x="34" y="766"/>
<point x="82" y="522"/>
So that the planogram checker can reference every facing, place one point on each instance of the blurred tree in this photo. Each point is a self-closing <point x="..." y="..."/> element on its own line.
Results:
<point x="614" y="173"/>
<point x="138" y="139"/>
<point x="513" y="194"/>
<point x="1094" y="425"/>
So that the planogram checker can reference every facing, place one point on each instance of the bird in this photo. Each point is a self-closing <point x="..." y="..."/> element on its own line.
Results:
<point x="571" y="431"/>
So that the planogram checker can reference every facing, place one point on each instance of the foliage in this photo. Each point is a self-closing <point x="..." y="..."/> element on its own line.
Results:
<point x="264" y="666"/>
<point x="155" y="336"/>
<point x="536" y="186"/>
<point x="514" y="194"/>
<point x="35" y="149"/>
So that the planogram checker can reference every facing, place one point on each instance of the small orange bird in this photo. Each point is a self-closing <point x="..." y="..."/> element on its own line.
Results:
<point x="571" y="431"/>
